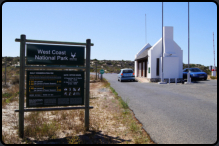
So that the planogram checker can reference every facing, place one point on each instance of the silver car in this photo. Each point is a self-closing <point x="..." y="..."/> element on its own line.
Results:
<point x="126" y="74"/>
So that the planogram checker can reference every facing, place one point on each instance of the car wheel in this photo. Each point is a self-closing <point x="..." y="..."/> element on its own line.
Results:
<point x="205" y="79"/>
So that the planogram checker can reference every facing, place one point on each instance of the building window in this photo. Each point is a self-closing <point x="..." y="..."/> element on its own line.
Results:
<point x="157" y="66"/>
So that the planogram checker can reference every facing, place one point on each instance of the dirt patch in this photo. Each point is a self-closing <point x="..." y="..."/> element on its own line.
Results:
<point x="108" y="124"/>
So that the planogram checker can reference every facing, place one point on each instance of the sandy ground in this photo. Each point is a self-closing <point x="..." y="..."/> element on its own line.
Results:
<point x="102" y="116"/>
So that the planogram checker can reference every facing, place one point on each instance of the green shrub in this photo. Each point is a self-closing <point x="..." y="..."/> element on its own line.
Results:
<point x="134" y="127"/>
<point x="212" y="77"/>
<point x="124" y="104"/>
<point x="38" y="127"/>
<point x="6" y="95"/>
<point x="74" y="140"/>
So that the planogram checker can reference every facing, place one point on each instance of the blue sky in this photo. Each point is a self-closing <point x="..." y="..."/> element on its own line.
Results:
<point x="116" y="29"/>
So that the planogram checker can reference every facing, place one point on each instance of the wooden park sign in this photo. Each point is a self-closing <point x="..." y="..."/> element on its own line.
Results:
<point x="46" y="88"/>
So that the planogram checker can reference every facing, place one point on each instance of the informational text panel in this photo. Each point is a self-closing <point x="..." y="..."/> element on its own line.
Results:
<point x="54" y="88"/>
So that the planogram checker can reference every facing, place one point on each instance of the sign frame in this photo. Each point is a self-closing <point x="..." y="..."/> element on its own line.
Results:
<point x="22" y="67"/>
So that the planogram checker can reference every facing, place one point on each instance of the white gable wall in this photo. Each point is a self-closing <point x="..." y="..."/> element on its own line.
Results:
<point x="179" y="53"/>
<point x="172" y="57"/>
<point x="153" y="54"/>
<point x="173" y="66"/>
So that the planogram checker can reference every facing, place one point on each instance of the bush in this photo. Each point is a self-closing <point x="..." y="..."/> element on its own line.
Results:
<point x="6" y="95"/>
<point x="15" y="80"/>
<point x="212" y="77"/>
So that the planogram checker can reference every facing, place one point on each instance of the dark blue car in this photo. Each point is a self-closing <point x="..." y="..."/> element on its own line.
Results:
<point x="195" y="74"/>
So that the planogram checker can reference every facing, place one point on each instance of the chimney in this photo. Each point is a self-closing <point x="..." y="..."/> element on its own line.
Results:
<point x="168" y="40"/>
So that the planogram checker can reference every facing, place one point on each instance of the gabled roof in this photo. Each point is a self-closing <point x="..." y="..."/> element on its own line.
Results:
<point x="143" y="55"/>
<point x="144" y="48"/>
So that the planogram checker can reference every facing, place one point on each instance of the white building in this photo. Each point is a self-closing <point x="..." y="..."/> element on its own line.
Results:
<point x="148" y="60"/>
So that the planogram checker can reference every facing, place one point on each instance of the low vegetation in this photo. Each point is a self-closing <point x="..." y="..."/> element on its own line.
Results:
<point x="111" y="121"/>
<point x="10" y="95"/>
<point x="212" y="77"/>
<point x="111" y="66"/>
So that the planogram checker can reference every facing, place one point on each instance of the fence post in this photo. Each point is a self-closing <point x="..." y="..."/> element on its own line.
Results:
<point x="21" y="86"/>
<point x="88" y="44"/>
<point x="96" y="69"/>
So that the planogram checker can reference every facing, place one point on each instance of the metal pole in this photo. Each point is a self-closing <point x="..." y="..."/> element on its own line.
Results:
<point x="188" y="34"/>
<point x="21" y="86"/>
<point x="214" y="51"/>
<point x="145" y="31"/>
<point x="188" y="74"/>
<point x="162" y="45"/>
<point x="88" y="44"/>
<point x="5" y="68"/>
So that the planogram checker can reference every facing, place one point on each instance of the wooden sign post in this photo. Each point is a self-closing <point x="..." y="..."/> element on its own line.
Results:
<point x="68" y="86"/>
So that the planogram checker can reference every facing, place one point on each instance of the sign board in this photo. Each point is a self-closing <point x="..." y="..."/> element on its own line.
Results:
<point x="38" y="54"/>
<point x="54" y="88"/>
<point x="102" y="71"/>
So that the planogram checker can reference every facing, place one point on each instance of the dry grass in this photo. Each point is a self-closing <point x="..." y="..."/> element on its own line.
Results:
<point x="111" y="121"/>
<point x="212" y="77"/>
<point x="10" y="94"/>
<point x="12" y="74"/>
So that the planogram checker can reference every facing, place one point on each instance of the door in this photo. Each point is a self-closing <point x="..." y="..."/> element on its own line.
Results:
<point x="158" y="68"/>
<point x="145" y="69"/>
<point x="142" y="69"/>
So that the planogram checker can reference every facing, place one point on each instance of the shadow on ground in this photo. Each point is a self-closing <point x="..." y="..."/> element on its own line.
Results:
<point x="129" y="81"/>
<point x="91" y="137"/>
<point x="198" y="81"/>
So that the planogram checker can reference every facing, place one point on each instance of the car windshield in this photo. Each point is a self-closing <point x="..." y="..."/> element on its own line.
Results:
<point x="127" y="71"/>
<point x="195" y="70"/>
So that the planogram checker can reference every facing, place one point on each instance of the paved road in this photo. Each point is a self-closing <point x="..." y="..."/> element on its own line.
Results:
<point x="172" y="114"/>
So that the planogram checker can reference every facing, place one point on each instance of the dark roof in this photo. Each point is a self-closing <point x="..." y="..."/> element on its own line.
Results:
<point x="143" y="55"/>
